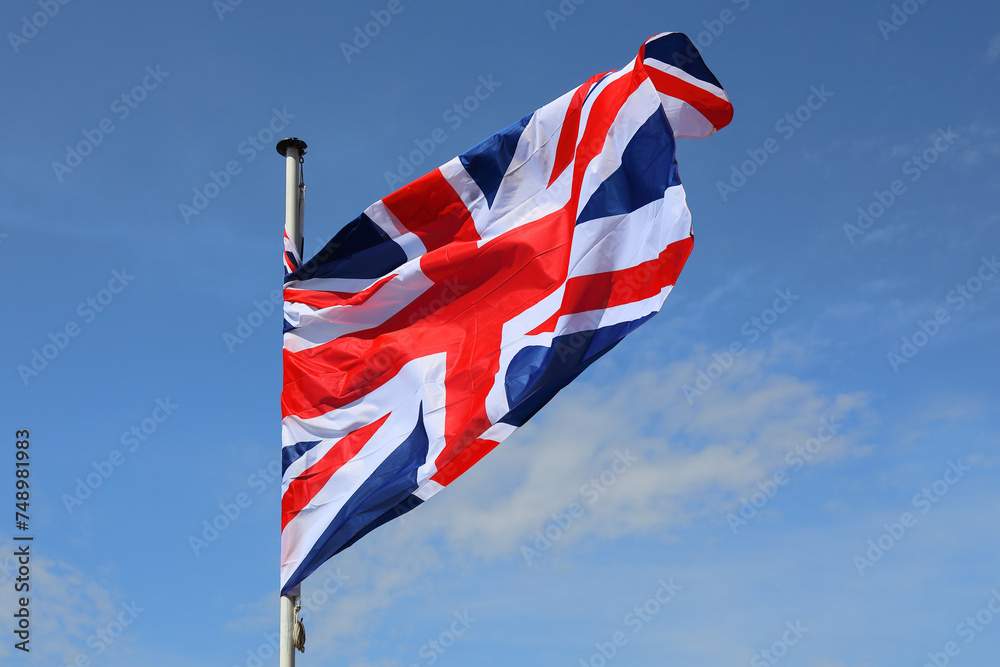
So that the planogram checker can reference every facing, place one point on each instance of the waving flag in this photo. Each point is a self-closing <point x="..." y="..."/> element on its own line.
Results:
<point x="451" y="311"/>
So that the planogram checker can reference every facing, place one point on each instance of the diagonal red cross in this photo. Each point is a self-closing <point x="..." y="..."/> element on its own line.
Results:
<point x="475" y="290"/>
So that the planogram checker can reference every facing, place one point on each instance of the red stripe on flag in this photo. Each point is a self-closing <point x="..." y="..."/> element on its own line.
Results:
<point x="467" y="458"/>
<point x="616" y="288"/>
<point x="717" y="110"/>
<point x="320" y="299"/>
<point x="304" y="488"/>
<point x="430" y="208"/>
<point x="600" y="118"/>
<point x="336" y="373"/>
<point x="566" y="148"/>
<point x="526" y="263"/>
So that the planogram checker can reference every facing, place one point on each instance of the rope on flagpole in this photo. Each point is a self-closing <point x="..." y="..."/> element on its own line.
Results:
<point x="298" y="630"/>
<point x="301" y="204"/>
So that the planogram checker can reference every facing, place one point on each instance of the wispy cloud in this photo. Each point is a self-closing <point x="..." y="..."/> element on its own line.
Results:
<point x="692" y="463"/>
<point x="68" y="608"/>
<point x="692" y="459"/>
<point x="734" y="281"/>
<point x="983" y="142"/>
<point x="993" y="50"/>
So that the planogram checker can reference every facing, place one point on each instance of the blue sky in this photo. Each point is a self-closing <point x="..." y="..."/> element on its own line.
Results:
<point x="865" y="411"/>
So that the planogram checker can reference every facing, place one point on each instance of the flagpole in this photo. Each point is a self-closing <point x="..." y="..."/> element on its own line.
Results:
<point x="292" y="149"/>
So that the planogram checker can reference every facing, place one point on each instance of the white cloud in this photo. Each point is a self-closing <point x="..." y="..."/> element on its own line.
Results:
<point x="886" y="233"/>
<point x="734" y="281"/>
<point x="693" y="459"/>
<point x="67" y="608"/>
<point x="884" y="286"/>
<point x="993" y="50"/>
<point x="348" y="596"/>
<point x="694" y="463"/>
<point x="982" y="142"/>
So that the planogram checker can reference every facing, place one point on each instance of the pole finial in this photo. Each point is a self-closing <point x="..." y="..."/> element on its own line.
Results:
<point x="290" y="142"/>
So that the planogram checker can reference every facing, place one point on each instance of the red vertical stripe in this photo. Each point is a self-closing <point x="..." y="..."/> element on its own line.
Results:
<point x="566" y="148"/>
<point x="601" y="117"/>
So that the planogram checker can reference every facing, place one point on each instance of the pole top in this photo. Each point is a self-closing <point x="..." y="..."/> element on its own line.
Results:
<point x="291" y="142"/>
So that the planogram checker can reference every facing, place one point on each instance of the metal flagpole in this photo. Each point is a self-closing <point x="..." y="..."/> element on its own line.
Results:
<point x="293" y="149"/>
<point x="292" y="635"/>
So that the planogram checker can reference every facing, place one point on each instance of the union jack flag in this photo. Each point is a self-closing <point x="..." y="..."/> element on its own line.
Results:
<point x="449" y="312"/>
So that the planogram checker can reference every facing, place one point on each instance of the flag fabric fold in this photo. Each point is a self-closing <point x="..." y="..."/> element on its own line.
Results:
<point x="449" y="312"/>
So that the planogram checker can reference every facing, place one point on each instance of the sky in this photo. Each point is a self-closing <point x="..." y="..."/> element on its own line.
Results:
<point x="795" y="462"/>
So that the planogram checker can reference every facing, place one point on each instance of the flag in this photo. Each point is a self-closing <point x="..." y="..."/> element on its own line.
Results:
<point x="448" y="313"/>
